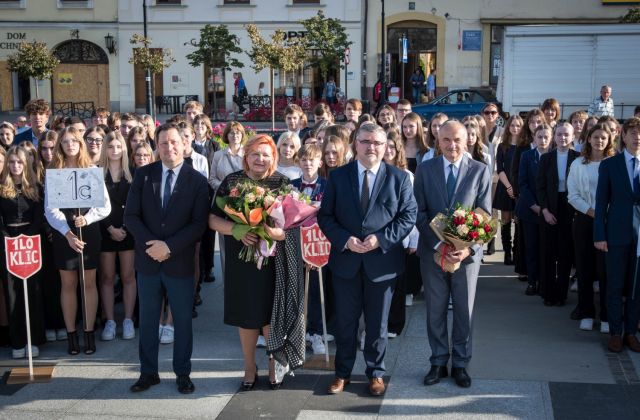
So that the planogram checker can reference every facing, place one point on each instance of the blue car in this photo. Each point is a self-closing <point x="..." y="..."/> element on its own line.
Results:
<point x="458" y="104"/>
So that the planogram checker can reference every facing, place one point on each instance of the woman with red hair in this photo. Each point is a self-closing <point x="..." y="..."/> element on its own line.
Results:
<point x="249" y="291"/>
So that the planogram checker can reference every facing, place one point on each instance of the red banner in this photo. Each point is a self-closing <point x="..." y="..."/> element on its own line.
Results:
<point x="23" y="255"/>
<point x="315" y="246"/>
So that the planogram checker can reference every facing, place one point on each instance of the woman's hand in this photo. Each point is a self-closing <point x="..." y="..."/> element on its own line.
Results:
<point x="274" y="233"/>
<point x="250" y="239"/>
<point x="79" y="221"/>
<point x="75" y="243"/>
<point x="117" y="234"/>
<point x="510" y="192"/>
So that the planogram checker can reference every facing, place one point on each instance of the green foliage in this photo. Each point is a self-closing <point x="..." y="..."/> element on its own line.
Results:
<point x="215" y="48"/>
<point x="328" y="39"/>
<point x="632" y="16"/>
<point x="149" y="59"/>
<point x="33" y="59"/>
<point x="277" y="54"/>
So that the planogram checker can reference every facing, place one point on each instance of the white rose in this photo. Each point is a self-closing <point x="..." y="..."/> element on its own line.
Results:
<point x="462" y="230"/>
<point x="479" y="217"/>
<point x="460" y="213"/>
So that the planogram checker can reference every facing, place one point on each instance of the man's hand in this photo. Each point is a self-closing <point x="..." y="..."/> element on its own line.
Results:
<point x="602" y="246"/>
<point x="356" y="245"/>
<point x="549" y="217"/>
<point x="457" y="256"/>
<point x="411" y="251"/>
<point x="536" y="209"/>
<point x="371" y="242"/>
<point x="591" y="213"/>
<point x="158" y="250"/>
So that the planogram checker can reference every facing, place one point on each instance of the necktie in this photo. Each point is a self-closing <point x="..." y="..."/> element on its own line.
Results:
<point x="451" y="183"/>
<point x="364" y="194"/>
<point x="636" y="177"/>
<point x="167" y="190"/>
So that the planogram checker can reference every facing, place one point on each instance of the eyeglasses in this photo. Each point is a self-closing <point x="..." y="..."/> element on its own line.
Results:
<point x="94" y="140"/>
<point x="490" y="112"/>
<point x="142" y="155"/>
<point x="368" y="143"/>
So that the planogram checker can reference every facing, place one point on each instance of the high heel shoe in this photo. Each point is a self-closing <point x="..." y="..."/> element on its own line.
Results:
<point x="248" y="386"/>
<point x="275" y="385"/>
<point x="89" y="342"/>
<point x="72" y="343"/>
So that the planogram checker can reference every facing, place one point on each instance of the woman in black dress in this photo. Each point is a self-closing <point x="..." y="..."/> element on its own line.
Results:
<point x="71" y="152"/>
<point x="249" y="291"/>
<point x="504" y="198"/>
<point x="115" y="238"/>
<point x="21" y="212"/>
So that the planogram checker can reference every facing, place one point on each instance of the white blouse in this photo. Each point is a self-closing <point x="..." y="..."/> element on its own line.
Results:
<point x="582" y="183"/>
<point x="292" y="172"/>
<point x="58" y="221"/>
<point x="224" y="163"/>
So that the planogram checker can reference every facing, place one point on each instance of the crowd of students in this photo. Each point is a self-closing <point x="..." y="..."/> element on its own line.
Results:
<point x="545" y="178"/>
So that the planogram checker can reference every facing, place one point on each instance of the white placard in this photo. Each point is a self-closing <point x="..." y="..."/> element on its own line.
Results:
<point x="74" y="188"/>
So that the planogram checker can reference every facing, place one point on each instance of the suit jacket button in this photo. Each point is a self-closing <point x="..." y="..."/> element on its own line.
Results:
<point x="162" y="224"/>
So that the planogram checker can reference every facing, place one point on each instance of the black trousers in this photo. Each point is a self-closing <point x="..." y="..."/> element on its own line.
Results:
<point x="407" y="283"/>
<point x="519" y="250"/>
<point x="556" y="253"/>
<point x="590" y="266"/>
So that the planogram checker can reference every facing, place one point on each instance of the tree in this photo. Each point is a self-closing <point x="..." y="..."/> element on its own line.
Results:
<point x="277" y="54"/>
<point x="151" y="60"/>
<point x="214" y="49"/>
<point x="33" y="59"/>
<point x="632" y="16"/>
<point x="327" y="39"/>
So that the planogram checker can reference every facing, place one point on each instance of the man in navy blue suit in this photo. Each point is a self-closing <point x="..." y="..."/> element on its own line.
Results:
<point x="367" y="210"/>
<point x="166" y="213"/>
<point x="615" y="231"/>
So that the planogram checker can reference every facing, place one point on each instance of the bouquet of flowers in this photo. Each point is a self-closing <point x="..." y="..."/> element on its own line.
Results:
<point x="462" y="229"/>
<point x="292" y="208"/>
<point x="249" y="205"/>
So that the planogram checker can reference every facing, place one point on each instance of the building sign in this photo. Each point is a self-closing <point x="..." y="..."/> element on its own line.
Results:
<point x="471" y="40"/>
<point x="13" y="40"/>
<point x="294" y="34"/>
<point x="65" y="78"/>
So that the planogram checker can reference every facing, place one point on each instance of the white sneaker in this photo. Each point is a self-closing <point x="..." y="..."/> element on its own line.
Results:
<point x="167" y="335"/>
<point x="330" y="337"/>
<point x="586" y="324"/>
<point x="596" y="287"/>
<point x="408" y="300"/>
<point x="160" y="329"/>
<point x="51" y="335"/>
<point x="261" y="342"/>
<point x="362" y="337"/>
<point x="109" y="331"/>
<point x="574" y="286"/>
<point x="604" y="327"/>
<point x="61" y="335"/>
<point x="128" y="330"/>
<point x="391" y="335"/>
<point x="22" y="353"/>
<point x="317" y="345"/>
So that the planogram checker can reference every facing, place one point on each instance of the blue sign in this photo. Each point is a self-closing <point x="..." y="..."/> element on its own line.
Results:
<point x="472" y="40"/>
<point x="405" y="48"/>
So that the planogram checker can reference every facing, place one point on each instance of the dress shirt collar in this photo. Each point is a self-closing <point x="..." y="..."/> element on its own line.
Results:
<point x="176" y="170"/>
<point x="628" y="156"/>
<point x="374" y="170"/>
<point x="457" y="163"/>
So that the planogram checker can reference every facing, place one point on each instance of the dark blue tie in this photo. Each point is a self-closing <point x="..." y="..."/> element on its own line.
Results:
<point x="451" y="183"/>
<point x="167" y="190"/>
<point x="636" y="177"/>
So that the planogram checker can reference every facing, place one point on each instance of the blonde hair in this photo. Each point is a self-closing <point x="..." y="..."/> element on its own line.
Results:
<point x="124" y="158"/>
<point x="28" y="181"/>
<point x="288" y="135"/>
<point x="59" y="158"/>
<point x="148" y="149"/>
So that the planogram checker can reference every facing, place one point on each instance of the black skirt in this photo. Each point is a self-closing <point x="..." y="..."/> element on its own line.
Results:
<point x="109" y="245"/>
<point x="501" y="200"/>
<point x="65" y="257"/>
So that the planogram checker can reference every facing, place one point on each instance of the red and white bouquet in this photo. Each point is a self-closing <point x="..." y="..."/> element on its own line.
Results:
<point x="462" y="229"/>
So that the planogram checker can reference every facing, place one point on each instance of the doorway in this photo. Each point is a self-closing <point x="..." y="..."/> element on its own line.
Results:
<point x="140" y="87"/>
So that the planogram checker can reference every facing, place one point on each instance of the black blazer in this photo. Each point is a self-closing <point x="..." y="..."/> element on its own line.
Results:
<point x="181" y="225"/>
<point x="547" y="179"/>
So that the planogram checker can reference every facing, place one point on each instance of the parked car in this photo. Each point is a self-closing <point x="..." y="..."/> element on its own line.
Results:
<point x="459" y="103"/>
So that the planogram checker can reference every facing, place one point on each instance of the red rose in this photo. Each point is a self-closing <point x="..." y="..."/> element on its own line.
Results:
<point x="475" y="222"/>
<point x="487" y="228"/>
<point x="458" y="221"/>
<point x="474" y="235"/>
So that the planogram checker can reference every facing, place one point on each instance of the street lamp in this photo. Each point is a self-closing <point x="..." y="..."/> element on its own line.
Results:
<point x="110" y="43"/>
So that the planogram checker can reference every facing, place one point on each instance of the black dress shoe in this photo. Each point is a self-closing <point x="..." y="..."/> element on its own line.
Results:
<point x="435" y="374"/>
<point x="145" y="382"/>
<point x="531" y="290"/>
<point x="185" y="386"/>
<point x="523" y="278"/>
<point x="461" y="377"/>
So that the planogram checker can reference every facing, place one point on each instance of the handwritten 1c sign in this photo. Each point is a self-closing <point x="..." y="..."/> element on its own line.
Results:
<point x="75" y="188"/>
<point x="315" y="246"/>
<point x="23" y="255"/>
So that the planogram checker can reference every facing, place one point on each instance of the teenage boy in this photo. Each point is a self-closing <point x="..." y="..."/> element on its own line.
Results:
<point x="311" y="184"/>
<point x="191" y="109"/>
<point x="38" y="112"/>
<point x="129" y="121"/>
<point x="100" y="117"/>
<point x="353" y="110"/>
<point x="293" y="116"/>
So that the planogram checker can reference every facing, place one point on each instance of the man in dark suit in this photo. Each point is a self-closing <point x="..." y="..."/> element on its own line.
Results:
<point x="166" y="213"/>
<point x="615" y="231"/>
<point x="440" y="184"/>
<point x="557" y="217"/>
<point x="367" y="210"/>
<point x="38" y="111"/>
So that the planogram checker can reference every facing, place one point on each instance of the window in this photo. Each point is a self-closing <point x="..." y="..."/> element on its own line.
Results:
<point x="75" y="4"/>
<point x="306" y="1"/>
<point x="237" y="1"/>
<point x="168" y="1"/>
<point x="13" y="4"/>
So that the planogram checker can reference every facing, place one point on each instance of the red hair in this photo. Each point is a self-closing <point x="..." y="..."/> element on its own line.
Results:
<point x="253" y="144"/>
